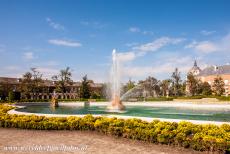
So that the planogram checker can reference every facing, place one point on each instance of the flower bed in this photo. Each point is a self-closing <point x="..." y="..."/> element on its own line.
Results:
<point x="185" y="134"/>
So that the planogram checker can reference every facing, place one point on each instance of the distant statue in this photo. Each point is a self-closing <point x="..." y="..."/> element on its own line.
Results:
<point x="54" y="100"/>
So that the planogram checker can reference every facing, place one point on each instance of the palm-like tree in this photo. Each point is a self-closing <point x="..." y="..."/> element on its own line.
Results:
<point x="63" y="79"/>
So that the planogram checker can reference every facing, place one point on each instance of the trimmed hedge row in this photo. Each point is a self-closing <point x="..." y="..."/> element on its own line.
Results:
<point x="159" y="99"/>
<point x="185" y="134"/>
<point x="48" y="100"/>
<point x="221" y="98"/>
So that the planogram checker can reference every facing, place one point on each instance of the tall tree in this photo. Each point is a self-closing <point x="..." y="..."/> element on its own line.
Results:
<point x="206" y="89"/>
<point x="26" y="85"/>
<point x="151" y="86"/>
<point x="63" y="80"/>
<point x="85" y="88"/>
<point x="37" y="82"/>
<point x="31" y="83"/>
<point x="176" y="82"/>
<point x="164" y="85"/>
<point x="218" y="86"/>
<point x="192" y="84"/>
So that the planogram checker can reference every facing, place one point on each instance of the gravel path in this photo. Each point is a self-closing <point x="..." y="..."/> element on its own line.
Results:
<point x="19" y="141"/>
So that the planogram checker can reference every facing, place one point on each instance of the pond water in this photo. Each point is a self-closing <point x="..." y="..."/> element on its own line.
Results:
<point x="186" y="113"/>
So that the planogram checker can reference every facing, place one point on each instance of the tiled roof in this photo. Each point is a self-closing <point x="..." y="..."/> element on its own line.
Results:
<point x="8" y="80"/>
<point x="5" y="80"/>
<point x="215" y="70"/>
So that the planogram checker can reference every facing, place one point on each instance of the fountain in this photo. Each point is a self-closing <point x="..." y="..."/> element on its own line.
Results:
<point x="216" y="113"/>
<point x="116" y="104"/>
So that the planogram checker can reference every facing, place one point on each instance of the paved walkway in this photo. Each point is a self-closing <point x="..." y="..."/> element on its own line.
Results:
<point x="19" y="141"/>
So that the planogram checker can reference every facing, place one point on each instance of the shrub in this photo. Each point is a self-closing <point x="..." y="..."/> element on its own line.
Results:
<point x="14" y="95"/>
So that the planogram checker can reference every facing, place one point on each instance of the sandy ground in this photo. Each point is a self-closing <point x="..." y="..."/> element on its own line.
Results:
<point x="19" y="141"/>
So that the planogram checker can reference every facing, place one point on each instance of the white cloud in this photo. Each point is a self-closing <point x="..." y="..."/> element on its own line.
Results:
<point x="206" y="47"/>
<point x="126" y="56"/>
<point x="157" y="44"/>
<point x="141" y="50"/>
<point x="12" y="68"/>
<point x="166" y="66"/>
<point x="191" y="45"/>
<point x="203" y="46"/>
<point x="138" y="30"/>
<point x="204" y="32"/>
<point x="64" y="43"/>
<point x="54" y="25"/>
<point x="47" y="72"/>
<point x="28" y="55"/>
<point x="224" y="43"/>
<point x="134" y="29"/>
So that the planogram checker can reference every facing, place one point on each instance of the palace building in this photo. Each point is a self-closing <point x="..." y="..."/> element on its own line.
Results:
<point x="208" y="74"/>
<point x="46" y="89"/>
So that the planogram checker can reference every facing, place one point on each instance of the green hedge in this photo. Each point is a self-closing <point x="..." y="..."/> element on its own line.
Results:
<point x="221" y="98"/>
<point x="191" y="97"/>
<point x="159" y="99"/>
<point x="48" y="100"/>
<point x="185" y="134"/>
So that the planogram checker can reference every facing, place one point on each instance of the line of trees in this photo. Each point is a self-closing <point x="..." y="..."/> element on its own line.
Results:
<point x="174" y="86"/>
<point x="32" y="83"/>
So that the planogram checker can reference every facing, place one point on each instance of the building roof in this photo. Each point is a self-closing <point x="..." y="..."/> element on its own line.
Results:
<point x="6" y="80"/>
<point x="215" y="70"/>
<point x="195" y="68"/>
<point x="49" y="83"/>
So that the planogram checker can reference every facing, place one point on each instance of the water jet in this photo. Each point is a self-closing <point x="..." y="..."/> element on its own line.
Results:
<point x="116" y="104"/>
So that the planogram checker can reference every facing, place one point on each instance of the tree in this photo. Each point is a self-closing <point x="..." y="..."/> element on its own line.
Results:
<point x="5" y="88"/>
<point x="218" y="86"/>
<point x="63" y="80"/>
<point x="164" y="85"/>
<point x="129" y="85"/>
<point x="192" y="84"/>
<point x="31" y="83"/>
<point x="26" y="85"/>
<point x="176" y="82"/>
<point x="151" y="86"/>
<point x="85" y="88"/>
<point x="206" y="88"/>
<point x="36" y="82"/>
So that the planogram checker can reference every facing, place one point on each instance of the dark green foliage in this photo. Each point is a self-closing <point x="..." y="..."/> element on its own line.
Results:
<point x="14" y="95"/>
<point x="185" y="134"/>
<point x="85" y="88"/>
<point x="206" y="89"/>
<point x="63" y="80"/>
<point x="218" y="86"/>
<point x="176" y="82"/>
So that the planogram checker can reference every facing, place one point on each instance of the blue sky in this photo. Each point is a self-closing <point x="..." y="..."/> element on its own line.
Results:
<point x="152" y="37"/>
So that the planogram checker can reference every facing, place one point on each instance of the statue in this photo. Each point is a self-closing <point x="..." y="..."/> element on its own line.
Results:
<point x="54" y="100"/>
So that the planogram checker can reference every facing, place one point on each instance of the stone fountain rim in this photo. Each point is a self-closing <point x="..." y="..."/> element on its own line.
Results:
<point x="148" y="119"/>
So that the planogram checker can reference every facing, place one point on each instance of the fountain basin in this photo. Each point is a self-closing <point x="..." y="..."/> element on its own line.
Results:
<point x="174" y="111"/>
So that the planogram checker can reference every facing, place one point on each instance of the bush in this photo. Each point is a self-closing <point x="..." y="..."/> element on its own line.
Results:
<point x="13" y="96"/>
<point x="185" y="134"/>
<point x="159" y="99"/>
